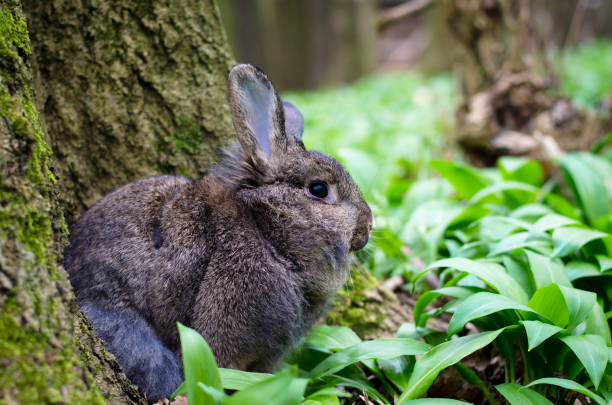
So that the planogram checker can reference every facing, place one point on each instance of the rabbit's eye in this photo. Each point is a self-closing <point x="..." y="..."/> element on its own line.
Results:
<point x="318" y="189"/>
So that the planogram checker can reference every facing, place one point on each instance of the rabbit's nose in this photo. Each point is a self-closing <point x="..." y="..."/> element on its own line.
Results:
<point x="362" y="232"/>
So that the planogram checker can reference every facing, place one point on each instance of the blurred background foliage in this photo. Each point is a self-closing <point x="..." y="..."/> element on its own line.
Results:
<point x="479" y="133"/>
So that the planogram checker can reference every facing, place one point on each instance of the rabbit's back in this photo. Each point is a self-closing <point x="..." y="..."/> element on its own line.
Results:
<point x="117" y="246"/>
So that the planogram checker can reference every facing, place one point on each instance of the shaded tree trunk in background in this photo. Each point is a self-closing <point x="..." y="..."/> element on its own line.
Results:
<point x="128" y="90"/>
<point x="48" y="350"/>
<point x="506" y="104"/>
<point x="303" y="43"/>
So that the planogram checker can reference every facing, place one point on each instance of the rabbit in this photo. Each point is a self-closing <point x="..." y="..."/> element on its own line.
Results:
<point x="248" y="256"/>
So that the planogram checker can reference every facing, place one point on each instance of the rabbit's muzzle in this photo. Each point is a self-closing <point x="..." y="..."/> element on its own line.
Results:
<point x="361" y="235"/>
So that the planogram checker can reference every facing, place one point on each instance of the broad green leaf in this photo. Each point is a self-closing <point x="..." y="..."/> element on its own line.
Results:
<point x="398" y="370"/>
<point x="519" y="272"/>
<point x="569" y="384"/>
<point x="281" y="389"/>
<point x="520" y="169"/>
<point x="517" y="395"/>
<point x="549" y="302"/>
<point x="494" y="227"/>
<point x="552" y="221"/>
<point x="479" y="305"/>
<point x="579" y="302"/>
<point x="338" y="380"/>
<point x="503" y="186"/>
<point x="421" y="304"/>
<point x="383" y="348"/>
<point x="605" y="262"/>
<point x="329" y="391"/>
<point x="587" y="185"/>
<point x="597" y="324"/>
<point x="441" y="356"/>
<point x="199" y="365"/>
<point x="546" y="270"/>
<point x="592" y="352"/>
<point x="332" y="337"/>
<point x="537" y="332"/>
<point x="516" y="241"/>
<point x="325" y="396"/>
<point x="465" y="179"/>
<point x="239" y="380"/>
<point x="219" y="396"/>
<point x="533" y="210"/>
<point x="491" y="273"/>
<point x="433" y="401"/>
<point x="569" y="239"/>
<point x="577" y="269"/>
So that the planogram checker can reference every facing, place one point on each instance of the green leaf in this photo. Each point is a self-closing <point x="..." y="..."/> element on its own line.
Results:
<point x="441" y="356"/>
<point x="571" y="385"/>
<point x="587" y="184"/>
<point x="605" y="262"/>
<point x="239" y="380"/>
<point x="597" y="324"/>
<point x="537" y="332"/>
<point x="491" y="273"/>
<point x="577" y="269"/>
<point x="199" y="365"/>
<point x="383" y="348"/>
<point x="519" y="272"/>
<point x="433" y="401"/>
<point x="552" y="221"/>
<point x="464" y="178"/>
<point x="332" y="337"/>
<point x="546" y="270"/>
<point x="503" y="186"/>
<point x="569" y="239"/>
<point x="517" y="395"/>
<point x="579" y="302"/>
<point x="516" y="241"/>
<point x="520" y="169"/>
<point x="280" y="389"/>
<point x="549" y="302"/>
<point x="592" y="352"/>
<point x="479" y="305"/>
<point x="338" y="380"/>
<point x="398" y="370"/>
<point x="217" y="395"/>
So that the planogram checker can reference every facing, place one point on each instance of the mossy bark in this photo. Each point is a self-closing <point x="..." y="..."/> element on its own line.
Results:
<point x="124" y="91"/>
<point x="48" y="351"/>
<point x="128" y="90"/>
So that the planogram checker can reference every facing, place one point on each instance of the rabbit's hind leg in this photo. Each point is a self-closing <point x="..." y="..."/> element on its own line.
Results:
<point x="144" y="358"/>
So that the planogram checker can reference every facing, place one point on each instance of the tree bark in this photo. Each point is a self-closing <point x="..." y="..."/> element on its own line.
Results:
<point x="124" y="91"/>
<point x="48" y="350"/>
<point x="128" y="90"/>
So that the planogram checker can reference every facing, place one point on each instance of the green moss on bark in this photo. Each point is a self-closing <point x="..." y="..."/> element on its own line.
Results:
<point x="40" y="355"/>
<point x="359" y="306"/>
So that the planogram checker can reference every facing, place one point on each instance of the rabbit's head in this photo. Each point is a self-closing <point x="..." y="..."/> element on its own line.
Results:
<point x="304" y="202"/>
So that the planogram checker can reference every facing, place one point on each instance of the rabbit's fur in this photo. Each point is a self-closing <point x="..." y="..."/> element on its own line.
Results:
<point x="247" y="256"/>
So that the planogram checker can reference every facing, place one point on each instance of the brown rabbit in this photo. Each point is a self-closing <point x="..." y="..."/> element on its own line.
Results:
<point x="248" y="256"/>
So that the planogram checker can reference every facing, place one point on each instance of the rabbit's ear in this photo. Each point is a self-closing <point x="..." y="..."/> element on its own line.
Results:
<point x="294" y="122"/>
<point x="257" y="113"/>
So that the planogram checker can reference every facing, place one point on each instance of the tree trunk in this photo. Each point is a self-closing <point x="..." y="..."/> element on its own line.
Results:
<point x="128" y="90"/>
<point x="124" y="90"/>
<point x="304" y="43"/>
<point x="48" y="351"/>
